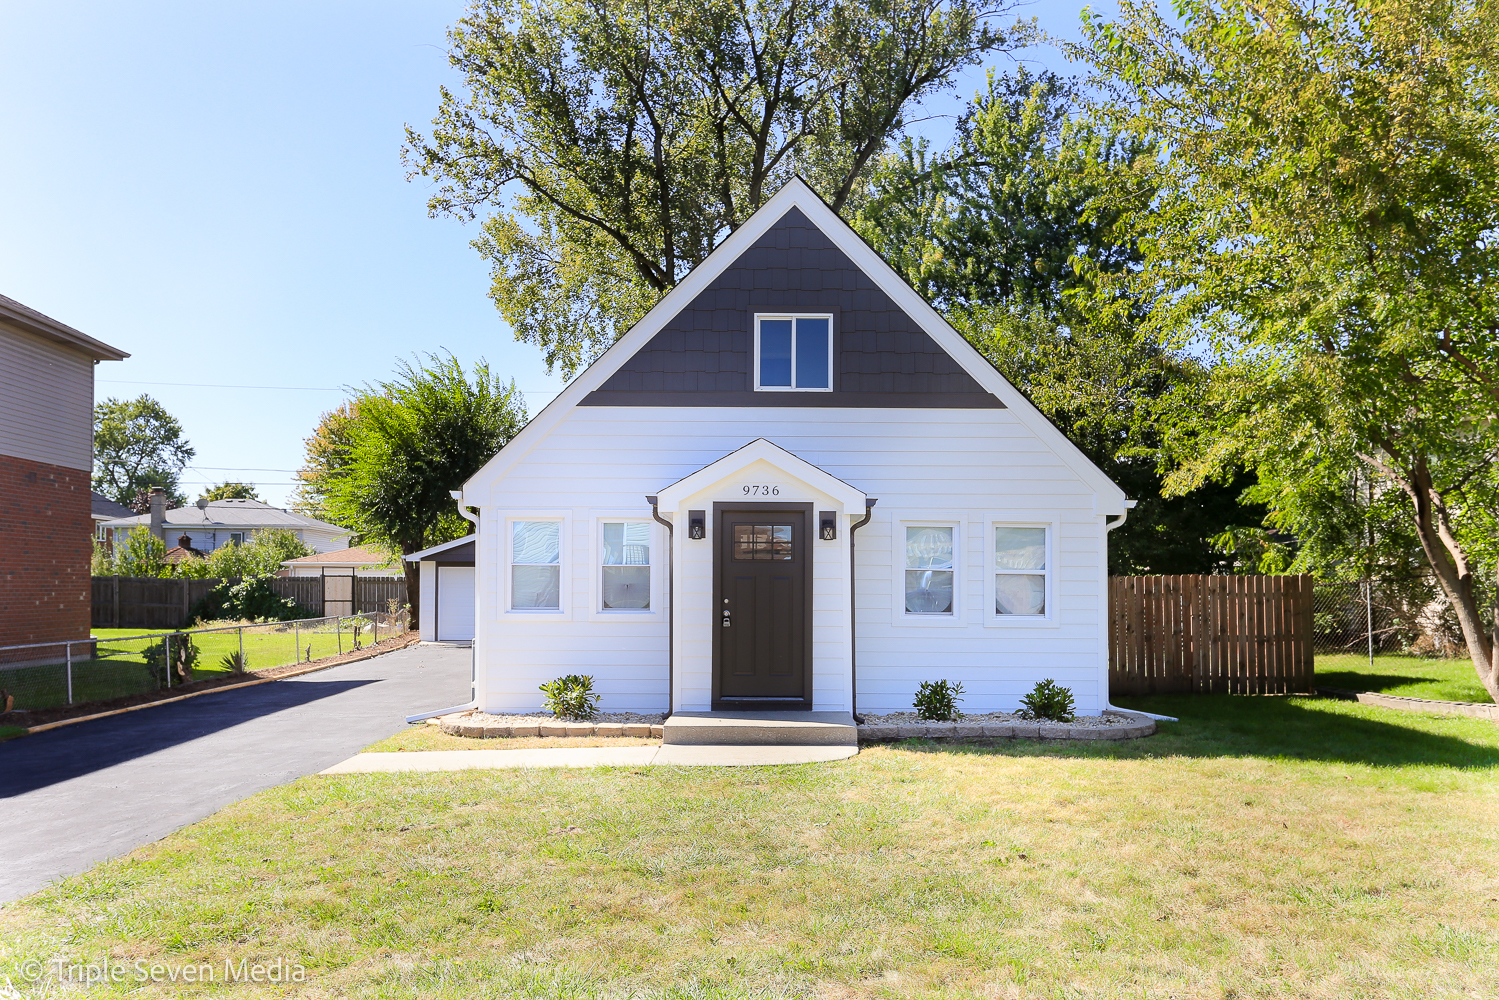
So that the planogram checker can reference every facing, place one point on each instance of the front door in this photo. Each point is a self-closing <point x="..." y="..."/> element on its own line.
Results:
<point x="762" y="642"/>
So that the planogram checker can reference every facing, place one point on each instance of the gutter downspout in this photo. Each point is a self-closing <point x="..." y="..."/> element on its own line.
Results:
<point x="671" y="606"/>
<point x="1108" y="705"/>
<point x="853" y="659"/>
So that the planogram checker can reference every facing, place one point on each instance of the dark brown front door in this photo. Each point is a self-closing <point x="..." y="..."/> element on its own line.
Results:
<point x="762" y="639"/>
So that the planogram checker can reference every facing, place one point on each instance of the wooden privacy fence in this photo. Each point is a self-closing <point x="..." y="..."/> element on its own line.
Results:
<point x="154" y="602"/>
<point x="1202" y="634"/>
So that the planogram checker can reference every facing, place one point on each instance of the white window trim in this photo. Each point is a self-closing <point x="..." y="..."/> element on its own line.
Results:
<point x="564" y="561"/>
<point x="1021" y="520"/>
<point x="755" y="361"/>
<point x="957" y="619"/>
<point x="655" y="612"/>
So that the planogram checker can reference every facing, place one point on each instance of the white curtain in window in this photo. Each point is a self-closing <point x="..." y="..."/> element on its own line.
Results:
<point x="626" y="583"/>
<point x="1016" y="550"/>
<point x="929" y="572"/>
<point x="535" y="570"/>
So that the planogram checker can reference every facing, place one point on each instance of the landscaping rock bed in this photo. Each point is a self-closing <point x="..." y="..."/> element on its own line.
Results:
<point x="482" y="725"/>
<point x="1111" y="725"/>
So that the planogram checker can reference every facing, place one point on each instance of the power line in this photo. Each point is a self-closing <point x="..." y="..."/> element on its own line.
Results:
<point x="233" y="468"/>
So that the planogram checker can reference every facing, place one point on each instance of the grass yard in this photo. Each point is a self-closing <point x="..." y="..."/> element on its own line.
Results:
<point x="1263" y="847"/>
<point x="1411" y="676"/>
<point x="119" y="666"/>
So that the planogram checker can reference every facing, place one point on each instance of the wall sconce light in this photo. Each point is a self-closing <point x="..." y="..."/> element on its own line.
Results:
<point x="697" y="524"/>
<point x="828" y="521"/>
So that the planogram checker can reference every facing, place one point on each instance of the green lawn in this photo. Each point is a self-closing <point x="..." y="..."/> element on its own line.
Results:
<point x="1412" y="676"/>
<point x="119" y="668"/>
<point x="1262" y="847"/>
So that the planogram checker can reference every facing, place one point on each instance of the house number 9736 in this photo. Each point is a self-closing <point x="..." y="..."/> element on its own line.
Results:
<point x="761" y="491"/>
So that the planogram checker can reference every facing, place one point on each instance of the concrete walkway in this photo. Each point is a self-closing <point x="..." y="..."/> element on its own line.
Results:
<point x="74" y="796"/>
<point x="667" y="755"/>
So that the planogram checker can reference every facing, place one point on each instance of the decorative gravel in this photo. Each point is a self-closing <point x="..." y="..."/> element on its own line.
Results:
<point x="1002" y="718"/>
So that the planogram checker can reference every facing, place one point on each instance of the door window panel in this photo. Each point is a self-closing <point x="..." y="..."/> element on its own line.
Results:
<point x="762" y="542"/>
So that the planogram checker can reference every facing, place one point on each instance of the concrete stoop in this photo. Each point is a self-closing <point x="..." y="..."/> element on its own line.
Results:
<point x="744" y="729"/>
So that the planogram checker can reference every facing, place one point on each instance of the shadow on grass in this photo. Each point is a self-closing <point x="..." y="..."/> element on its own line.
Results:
<point x="72" y="751"/>
<point x="1289" y="728"/>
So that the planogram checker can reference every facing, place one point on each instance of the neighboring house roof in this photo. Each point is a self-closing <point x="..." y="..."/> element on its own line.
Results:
<point x="47" y="328"/>
<point x="356" y="556"/>
<point x="797" y="196"/>
<point x="105" y="509"/>
<point x="178" y="554"/>
<point x="229" y="514"/>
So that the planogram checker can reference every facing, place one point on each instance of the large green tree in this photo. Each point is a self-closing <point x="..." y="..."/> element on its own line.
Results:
<point x="230" y="491"/>
<point x="1325" y="227"/>
<point x="1007" y="233"/>
<point x="138" y="445"/>
<point x="412" y="440"/>
<point x="616" y="142"/>
<point x="326" y="451"/>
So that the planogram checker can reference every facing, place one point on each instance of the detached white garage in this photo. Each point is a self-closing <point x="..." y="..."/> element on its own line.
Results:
<point x="447" y="591"/>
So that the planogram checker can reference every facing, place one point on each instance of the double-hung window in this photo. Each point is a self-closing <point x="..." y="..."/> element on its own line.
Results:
<point x="794" y="353"/>
<point x="1022" y="567"/>
<point x="625" y="573"/>
<point x="929" y="569"/>
<point x="536" y="566"/>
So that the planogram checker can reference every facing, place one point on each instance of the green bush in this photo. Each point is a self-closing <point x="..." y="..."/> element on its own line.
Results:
<point x="184" y="654"/>
<point x="937" y="701"/>
<point x="1047" y="700"/>
<point x="251" y="599"/>
<point x="262" y="555"/>
<point x="571" y="698"/>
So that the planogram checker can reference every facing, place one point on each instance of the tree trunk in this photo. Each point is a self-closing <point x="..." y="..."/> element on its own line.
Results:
<point x="413" y="573"/>
<point x="1453" y="571"/>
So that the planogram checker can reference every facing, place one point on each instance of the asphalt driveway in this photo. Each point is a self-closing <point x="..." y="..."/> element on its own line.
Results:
<point x="74" y="796"/>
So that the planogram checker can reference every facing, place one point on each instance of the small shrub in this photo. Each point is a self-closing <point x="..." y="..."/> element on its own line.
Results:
<point x="251" y="599"/>
<point x="1047" y="700"/>
<point x="937" y="701"/>
<point x="233" y="662"/>
<point x="183" y="651"/>
<point x="571" y="698"/>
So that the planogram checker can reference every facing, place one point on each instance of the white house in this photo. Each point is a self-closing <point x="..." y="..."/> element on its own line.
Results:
<point x="791" y="485"/>
<point x="210" y="524"/>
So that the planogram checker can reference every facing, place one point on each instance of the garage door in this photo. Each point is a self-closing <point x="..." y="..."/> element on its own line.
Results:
<point x="455" y="603"/>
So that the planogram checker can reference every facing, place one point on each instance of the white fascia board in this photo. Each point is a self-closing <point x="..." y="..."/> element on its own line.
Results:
<point x="759" y="450"/>
<point x="417" y="556"/>
<point x="796" y="194"/>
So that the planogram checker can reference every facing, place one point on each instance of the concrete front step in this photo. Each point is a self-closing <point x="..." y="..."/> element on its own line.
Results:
<point x="760" y="729"/>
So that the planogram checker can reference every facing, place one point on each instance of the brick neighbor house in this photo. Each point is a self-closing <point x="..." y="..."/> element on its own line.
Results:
<point x="46" y="456"/>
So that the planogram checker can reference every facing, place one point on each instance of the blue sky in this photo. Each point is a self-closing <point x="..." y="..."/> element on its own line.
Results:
<point x="217" y="189"/>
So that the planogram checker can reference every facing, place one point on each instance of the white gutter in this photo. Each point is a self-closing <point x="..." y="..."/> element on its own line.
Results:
<point x="1109" y="706"/>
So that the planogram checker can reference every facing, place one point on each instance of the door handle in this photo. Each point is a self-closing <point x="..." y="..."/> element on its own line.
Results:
<point x="725" y="620"/>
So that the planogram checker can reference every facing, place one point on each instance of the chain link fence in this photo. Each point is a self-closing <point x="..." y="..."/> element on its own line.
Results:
<point x="51" y="675"/>
<point x="1385" y="617"/>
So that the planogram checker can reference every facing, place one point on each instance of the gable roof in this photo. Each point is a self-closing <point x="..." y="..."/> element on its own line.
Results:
<point x="760" y="450"/>
<point x="431" y="553"/>
<point x="796" y="194"/>
<point x="103" y="509"/>
<point x="229" y="514"/>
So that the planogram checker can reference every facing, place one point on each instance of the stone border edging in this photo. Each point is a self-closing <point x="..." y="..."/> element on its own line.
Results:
<point x="455" y="726"/>
<point x="336" y="660"/>
<point x="1145" y="726"/>
<point x="1402" y="703"/>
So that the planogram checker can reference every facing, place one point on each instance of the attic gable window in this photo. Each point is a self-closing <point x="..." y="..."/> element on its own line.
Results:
<point x="794" y="353"/>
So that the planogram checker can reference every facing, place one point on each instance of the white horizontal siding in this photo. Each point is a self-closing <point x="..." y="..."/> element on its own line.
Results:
<point x="967" y="464"/>
<point x="46" y="401"/>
